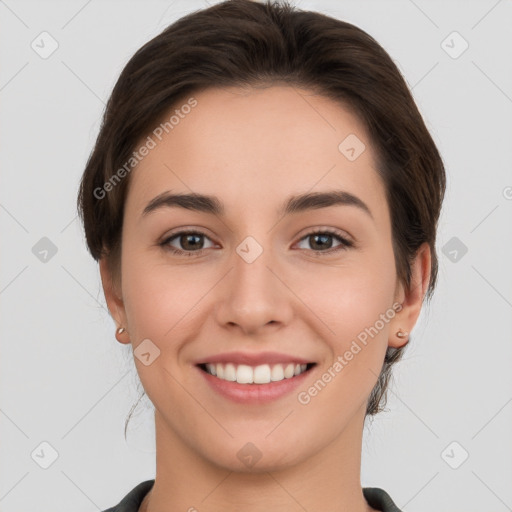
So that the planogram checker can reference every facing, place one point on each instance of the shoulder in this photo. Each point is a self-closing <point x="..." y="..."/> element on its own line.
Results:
<point x="131" y="502"/>
<point x="379" y="499"/>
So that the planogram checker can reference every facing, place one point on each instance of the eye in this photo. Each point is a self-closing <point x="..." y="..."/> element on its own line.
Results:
<point x="191" y="242"/>
<point x="321" y="241"/>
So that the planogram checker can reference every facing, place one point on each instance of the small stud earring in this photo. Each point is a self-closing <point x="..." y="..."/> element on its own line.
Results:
<point x="120" y="330"/>
<point x="401" y="334"/>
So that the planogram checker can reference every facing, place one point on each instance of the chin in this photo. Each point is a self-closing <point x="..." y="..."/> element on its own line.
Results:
<point x="254" y="458"/>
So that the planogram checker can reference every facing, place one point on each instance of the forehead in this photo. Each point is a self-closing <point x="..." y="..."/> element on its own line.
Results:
<point x="249" y="145"/>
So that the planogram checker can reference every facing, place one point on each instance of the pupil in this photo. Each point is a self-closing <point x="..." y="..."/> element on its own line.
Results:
<point x="187" y="238"/>
<point x="324" y="239"/>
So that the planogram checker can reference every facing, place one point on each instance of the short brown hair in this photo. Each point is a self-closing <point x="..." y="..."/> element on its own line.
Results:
<point x="246" y="43"/>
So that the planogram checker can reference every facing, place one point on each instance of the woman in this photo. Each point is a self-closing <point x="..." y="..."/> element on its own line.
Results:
<point x="262" y="200"/>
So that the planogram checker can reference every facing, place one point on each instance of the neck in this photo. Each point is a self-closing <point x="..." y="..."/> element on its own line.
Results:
<point x="329" y="481"/>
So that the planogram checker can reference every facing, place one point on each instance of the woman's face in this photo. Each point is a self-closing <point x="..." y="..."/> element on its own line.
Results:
<point x="254" y="287"/>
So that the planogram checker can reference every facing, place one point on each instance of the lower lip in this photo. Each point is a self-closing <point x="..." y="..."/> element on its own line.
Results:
<point x="253" y="393"/>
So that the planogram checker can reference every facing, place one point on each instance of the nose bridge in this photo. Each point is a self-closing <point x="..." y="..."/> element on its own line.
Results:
<point x="253" y="295"/>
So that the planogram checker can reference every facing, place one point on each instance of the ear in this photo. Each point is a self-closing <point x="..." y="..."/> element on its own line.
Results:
<point x="113" y="297"/>
<point x="411" y="299"/>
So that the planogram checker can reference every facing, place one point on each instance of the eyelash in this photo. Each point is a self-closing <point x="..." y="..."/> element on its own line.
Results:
<point x="345" y="244"/>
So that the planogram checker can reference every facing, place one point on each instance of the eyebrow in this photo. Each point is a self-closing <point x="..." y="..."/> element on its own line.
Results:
<point x="294" y="204"/>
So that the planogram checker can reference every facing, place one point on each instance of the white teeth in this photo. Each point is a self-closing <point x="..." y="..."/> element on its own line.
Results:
<point x="244" y="374"/>
<point x="230" y="372"/>
<point x="299" y="368"/>
<point x="262" y="374"/>
<point x="277" y="372"/>
<point x="289" y="370"/>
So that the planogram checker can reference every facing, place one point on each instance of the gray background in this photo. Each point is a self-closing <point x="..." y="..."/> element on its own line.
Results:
<point x="67" y="382"/>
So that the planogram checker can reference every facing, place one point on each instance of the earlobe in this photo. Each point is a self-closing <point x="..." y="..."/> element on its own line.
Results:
<point x="402" y="337"/>
<point x="413" y="296"/>
<point x="114" y="301"/>
<point x="121" y="335"/>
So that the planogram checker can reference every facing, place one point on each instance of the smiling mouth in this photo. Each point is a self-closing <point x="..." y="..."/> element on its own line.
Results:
<point x="261" y="374"/>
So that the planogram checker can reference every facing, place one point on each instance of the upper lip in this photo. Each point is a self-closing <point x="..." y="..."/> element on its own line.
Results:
<point x="253" y="359"/>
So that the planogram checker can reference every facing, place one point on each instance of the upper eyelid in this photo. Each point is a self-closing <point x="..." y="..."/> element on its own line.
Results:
<point x="166" y="239"/>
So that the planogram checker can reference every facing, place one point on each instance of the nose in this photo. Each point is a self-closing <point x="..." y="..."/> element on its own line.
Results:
<point x="253" y="296"/>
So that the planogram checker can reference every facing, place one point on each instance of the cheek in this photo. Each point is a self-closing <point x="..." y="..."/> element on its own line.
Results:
<point x="160" y="298"/>
<point x="355" y="303"/>
<point x="351" y="296"/>
<point x="159" y="302"/>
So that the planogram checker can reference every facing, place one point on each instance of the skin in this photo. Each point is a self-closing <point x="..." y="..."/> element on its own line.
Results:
<point x="253" y="148"/>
